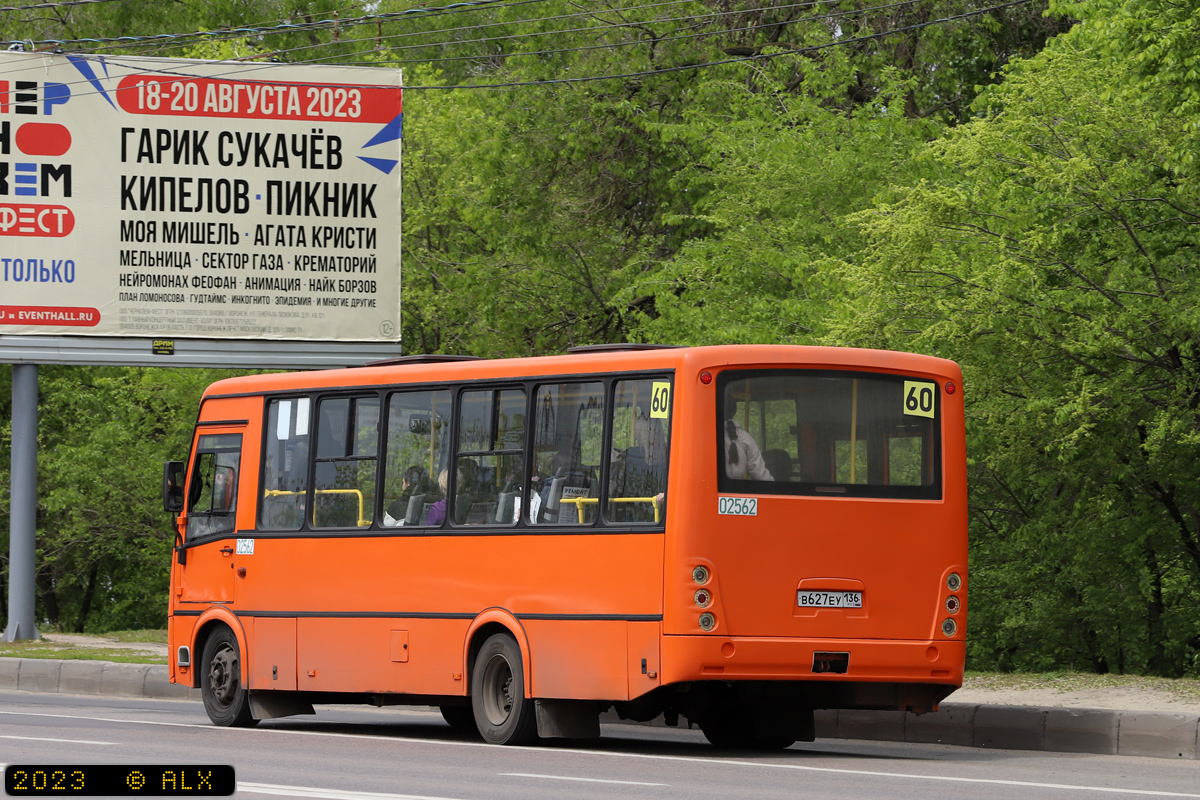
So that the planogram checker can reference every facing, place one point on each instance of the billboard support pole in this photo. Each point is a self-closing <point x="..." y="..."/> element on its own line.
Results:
<point x="23" y="505"/>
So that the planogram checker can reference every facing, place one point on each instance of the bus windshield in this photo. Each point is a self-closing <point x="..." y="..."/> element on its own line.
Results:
<point x="829" y="432"/>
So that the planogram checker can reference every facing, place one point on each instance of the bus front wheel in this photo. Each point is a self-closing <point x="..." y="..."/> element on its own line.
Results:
<point x="503" y="714"/>
<point x="225" y="698"/>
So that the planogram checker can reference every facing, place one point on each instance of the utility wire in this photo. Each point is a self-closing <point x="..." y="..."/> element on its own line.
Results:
<point x="282" y="27"/>
<point x="607" y="26"/>
<point x="61" y="4"/>
<point x="622" y="76"/>
<point x="690" y="67"/>
<point x="604" y="28"/>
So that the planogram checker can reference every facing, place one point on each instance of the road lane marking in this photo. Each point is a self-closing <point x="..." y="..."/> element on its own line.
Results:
<point x="329" y="794"/>
<point x="611" y="754"/>
<point x="585" y="780"/>
<point x="64" y="741"/>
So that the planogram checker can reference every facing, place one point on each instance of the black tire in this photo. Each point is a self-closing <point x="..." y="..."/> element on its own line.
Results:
<point x="225" y="698"/>
<point x="733" y="729"/>
<point x="503" y="714"/>
<point x="461" y="719"/>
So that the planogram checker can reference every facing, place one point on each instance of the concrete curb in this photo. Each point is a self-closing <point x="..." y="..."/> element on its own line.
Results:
<point x="92" y="677"/>
<point x="1059" y="730"/>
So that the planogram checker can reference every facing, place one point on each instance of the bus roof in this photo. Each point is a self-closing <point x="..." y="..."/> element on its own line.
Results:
<point x="602" y="361"/>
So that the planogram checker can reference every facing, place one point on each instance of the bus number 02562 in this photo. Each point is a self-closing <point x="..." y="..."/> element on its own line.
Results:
<point x="738" y="506"/>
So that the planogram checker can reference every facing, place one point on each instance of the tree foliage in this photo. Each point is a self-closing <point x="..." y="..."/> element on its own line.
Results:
<point x="1051" y="252"/>
<point x="993" y="188"/>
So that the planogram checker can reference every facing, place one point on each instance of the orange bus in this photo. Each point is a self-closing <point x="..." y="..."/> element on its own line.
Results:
<point x="737" y="535"/>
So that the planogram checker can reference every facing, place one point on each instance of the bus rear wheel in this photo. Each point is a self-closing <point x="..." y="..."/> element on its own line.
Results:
<point x="226" y="700"/>
<point x="503" y="714"/>
<point x="733" y="728"/>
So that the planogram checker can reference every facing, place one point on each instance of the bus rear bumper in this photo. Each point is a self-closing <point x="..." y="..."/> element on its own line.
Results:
<point x="733" y="658"/>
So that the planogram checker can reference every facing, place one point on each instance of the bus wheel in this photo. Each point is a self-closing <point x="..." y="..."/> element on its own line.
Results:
<point x="733" y="728"/>
<point x="460" y="718"/>
<point x="503" y="714"/>
<point x="225" y="698"/>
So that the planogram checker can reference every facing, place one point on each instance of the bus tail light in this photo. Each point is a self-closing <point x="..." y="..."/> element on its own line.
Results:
<point x="949" y="627"/>
<point x="708" y="621"/>
<point x="702" y="597"/>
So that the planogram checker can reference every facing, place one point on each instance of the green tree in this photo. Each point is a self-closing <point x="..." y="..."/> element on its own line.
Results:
<point x="1052" y="253"/>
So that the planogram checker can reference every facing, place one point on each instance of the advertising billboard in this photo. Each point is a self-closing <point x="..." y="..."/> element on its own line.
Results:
<point x="168" y="198"/>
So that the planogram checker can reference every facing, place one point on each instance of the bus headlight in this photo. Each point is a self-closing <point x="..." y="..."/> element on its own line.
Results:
<point x="953" y="582"/>
<point x="949" y="627"/>
<point x="700" y="574"/>
<point x="708" y="621"/>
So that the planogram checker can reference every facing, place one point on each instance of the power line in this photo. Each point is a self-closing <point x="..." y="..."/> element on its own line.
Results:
<point x="61" y="4"/>
<point x="690" y="67"/>
<point x="282" y="27"/>
<point x="608" y="27"/>
<point x="590" y="13"/>
<point x="623" y="76"/>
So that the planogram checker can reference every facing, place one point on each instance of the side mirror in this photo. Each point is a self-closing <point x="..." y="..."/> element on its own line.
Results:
<point x="172" y="487"/>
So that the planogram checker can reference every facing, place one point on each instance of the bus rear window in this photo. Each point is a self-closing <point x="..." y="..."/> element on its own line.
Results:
<point x="810" y="432"/>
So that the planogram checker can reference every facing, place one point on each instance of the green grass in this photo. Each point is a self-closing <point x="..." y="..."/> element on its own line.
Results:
<point x="97" y="648"/>
<point x="152" y="636"/>
<point x="1182" y="689"/>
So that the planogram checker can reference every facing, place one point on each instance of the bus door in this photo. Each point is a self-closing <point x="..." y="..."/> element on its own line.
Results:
<point x="208" y="570"/>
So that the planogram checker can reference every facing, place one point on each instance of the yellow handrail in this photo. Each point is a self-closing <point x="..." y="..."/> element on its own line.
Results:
<point x="580" y="502"/>
<point x="362" y="522"/>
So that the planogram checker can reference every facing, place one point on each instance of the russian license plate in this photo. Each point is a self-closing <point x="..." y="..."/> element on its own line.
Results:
<point x="829" y="599"/>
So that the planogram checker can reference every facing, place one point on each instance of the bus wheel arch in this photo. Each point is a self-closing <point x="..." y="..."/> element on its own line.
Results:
<point x="483" y="627"/>
<point x="211" y="621"/>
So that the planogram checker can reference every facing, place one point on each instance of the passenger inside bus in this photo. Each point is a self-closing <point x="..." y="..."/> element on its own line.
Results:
<point x="414" y="494"/>
<point x="743" y="459"/>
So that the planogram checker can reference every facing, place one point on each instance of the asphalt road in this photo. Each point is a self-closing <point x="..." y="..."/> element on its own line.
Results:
<point x="360" y="753"/>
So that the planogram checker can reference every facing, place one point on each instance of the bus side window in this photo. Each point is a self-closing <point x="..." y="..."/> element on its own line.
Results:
<point x="637" y="471"/>
<point x="490" y="464"/>
<point x="415" y="455"/>
<point x="567" y="445"/>
<point x="285" y="465"/>
<point x="212" y="497"/>
<point x="344" y="468"/>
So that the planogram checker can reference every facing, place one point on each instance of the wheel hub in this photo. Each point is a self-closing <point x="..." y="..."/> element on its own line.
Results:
<point x="498" y="688"/>
<point x="223" y="675"/>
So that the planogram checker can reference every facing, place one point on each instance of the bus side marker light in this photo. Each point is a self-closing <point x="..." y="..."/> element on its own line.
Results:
<point x="950" y="387"/>
<point x="706" y="378"/>
<point x="953" y="582"/>
<point x="702" y="597"/>
<point x="952" y="604"/>
<point x="700" y="574"/>
<point x="457" y="676"/>
<point x="949" y="627"/>
<point x="707" y="621"/>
